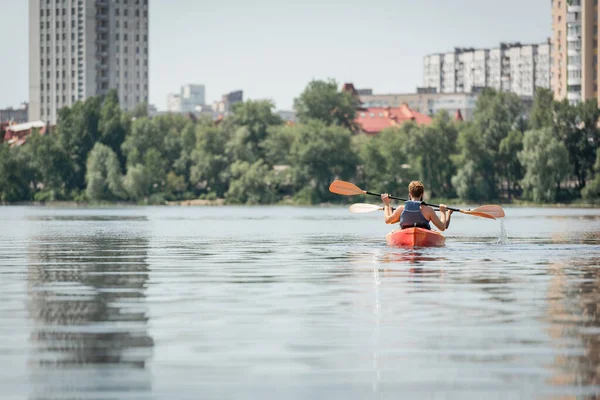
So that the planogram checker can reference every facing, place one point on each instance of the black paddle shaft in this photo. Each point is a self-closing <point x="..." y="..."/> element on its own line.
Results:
<point x="398" y="198"/>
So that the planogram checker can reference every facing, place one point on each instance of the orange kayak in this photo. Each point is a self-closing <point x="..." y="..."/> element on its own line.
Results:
<point x="415" y="237"/>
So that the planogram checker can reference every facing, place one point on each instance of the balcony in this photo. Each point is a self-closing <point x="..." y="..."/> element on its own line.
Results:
<point x="573" y="81"/>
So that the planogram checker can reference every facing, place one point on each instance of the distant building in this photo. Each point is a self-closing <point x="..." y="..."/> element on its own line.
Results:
<point x="288" y="116"/>
<point x="373" y="120"/>
<point x="511" y="67"/>
<point x="173" y="103"/>
<point x="227" y="101"/>
<point x="426" y="102"/>
<point x="15" y="115"/>
<point x="84" y="48"/>
<point x="189" y="98"/>
<point x="17" y="134"/>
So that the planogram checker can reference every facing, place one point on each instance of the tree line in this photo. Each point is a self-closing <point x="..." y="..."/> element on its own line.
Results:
<point x="97" y="152"/>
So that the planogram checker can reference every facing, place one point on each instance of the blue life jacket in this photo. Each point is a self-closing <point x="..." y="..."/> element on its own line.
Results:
<point x="412" y="216"/>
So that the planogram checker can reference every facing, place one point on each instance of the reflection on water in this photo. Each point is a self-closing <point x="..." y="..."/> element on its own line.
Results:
<point x="574" y="314"/>
<point x="87" y="303"/>
<point x="295" y="303"/>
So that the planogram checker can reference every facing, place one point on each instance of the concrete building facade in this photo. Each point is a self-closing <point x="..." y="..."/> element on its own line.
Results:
<point x="511" y="67"/>
<point x="575" y="66"/>
<point x="83" y="48"/>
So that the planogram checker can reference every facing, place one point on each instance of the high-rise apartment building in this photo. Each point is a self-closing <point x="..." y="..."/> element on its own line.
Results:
<point x="575" y="49"/>
<point x="511" y="67"/>
<point x="83" y="48"/>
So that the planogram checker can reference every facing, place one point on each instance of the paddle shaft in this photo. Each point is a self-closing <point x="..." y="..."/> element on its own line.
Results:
<point x="398" y="198"/>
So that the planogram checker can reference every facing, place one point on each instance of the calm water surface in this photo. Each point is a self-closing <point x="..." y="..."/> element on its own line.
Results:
<point x="295" y="303"/>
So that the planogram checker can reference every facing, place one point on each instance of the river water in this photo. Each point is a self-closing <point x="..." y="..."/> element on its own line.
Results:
<point x="295" y="303"/>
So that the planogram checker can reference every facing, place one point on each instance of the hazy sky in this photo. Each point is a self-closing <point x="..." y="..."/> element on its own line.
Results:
<point x="273" y="48"/>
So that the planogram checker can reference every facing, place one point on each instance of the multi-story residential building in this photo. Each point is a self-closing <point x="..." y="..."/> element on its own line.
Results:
<point x="511" y="67"/>
<point x="83" y="48"/>
<point x="575" y="66"/>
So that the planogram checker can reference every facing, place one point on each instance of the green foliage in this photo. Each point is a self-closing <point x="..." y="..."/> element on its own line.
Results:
<point x="98" y="152"/>
<point x="592" y="190"/>
<point x="14" y="177"/>
<point x="322" y="101"/>
<point x="542" y="112"/>
<point x="251" y="184"/>
<point x="319" y="155"/>
<point x="103" y="176"/>
<point x="546" y="161"/>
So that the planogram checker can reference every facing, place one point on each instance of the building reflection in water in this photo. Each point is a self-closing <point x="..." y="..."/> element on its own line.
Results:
<point x="574" y="317"/>
<point x="90" y="323"/>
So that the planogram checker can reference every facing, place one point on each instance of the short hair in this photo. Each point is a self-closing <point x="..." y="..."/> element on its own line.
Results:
<point x="416" y="189"/>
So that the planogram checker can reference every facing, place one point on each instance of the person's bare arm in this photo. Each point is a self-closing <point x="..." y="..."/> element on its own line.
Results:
<point x="429" y="214"/>
<point x="390" y="216"/>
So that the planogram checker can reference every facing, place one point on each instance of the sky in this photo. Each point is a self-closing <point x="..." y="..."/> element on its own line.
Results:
<point x="271" y="49"/>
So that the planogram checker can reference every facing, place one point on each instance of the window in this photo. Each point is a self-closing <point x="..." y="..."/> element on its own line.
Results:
<point x="125" y="12"/>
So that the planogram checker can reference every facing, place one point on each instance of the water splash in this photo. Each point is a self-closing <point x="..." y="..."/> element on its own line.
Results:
<point x="503" y="239"/>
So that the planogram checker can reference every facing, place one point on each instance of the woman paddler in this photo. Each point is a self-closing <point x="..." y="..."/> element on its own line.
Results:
<point x="414" y="213"/>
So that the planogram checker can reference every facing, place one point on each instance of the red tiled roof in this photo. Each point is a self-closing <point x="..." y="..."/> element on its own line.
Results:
<point x="375" y="119"/>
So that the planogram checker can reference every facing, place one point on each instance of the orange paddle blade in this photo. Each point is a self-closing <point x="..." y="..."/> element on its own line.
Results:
<point x="493" y="210"/>
<point x="345" y="188"/>
<point x="361" y="208"/>
<point x="478" y="214"/>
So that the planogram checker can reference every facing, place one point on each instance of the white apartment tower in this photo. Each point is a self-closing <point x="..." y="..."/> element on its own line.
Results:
<point x="513" y="67"/>
<point x="83" y="48"/>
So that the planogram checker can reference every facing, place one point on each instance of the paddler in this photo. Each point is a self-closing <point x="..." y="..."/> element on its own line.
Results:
<point x="414" y="213"/>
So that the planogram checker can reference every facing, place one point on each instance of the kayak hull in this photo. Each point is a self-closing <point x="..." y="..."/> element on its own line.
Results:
<point x="415" y="237"/>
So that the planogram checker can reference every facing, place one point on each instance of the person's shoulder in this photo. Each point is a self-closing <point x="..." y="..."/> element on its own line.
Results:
<point x="425" y="207"/>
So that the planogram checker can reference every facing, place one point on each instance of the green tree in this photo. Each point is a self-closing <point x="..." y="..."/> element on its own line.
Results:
<point x="77" y="132"/>
<point x="472" y="180"/>
<point x="319" y="155"/>
<point x="546" y="162"/>
<point x="508" y="161"/>
<point x="384" y="162"/>
<point x="51" y="166"/>
<point x="542" y="112"/>
<point x="497" y="114"/>
<point x="322" y="101"/>
<point x="103" y="174"/>
<point x="592" y="189"/>
<point x="251" y="183"/>
<point x="15" y="176"/>
<point x="432" y="149"/>
<point x="254" y="118"/>
<point x="113" y="125"/>
<point x="209" y="171"/>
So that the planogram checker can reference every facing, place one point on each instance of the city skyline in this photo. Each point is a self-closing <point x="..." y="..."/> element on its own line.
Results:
<point x="271" y="51"/>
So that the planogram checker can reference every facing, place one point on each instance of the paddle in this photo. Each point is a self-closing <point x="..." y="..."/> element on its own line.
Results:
<point x="361" y="208"/>
<point x="350" y="189"/>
